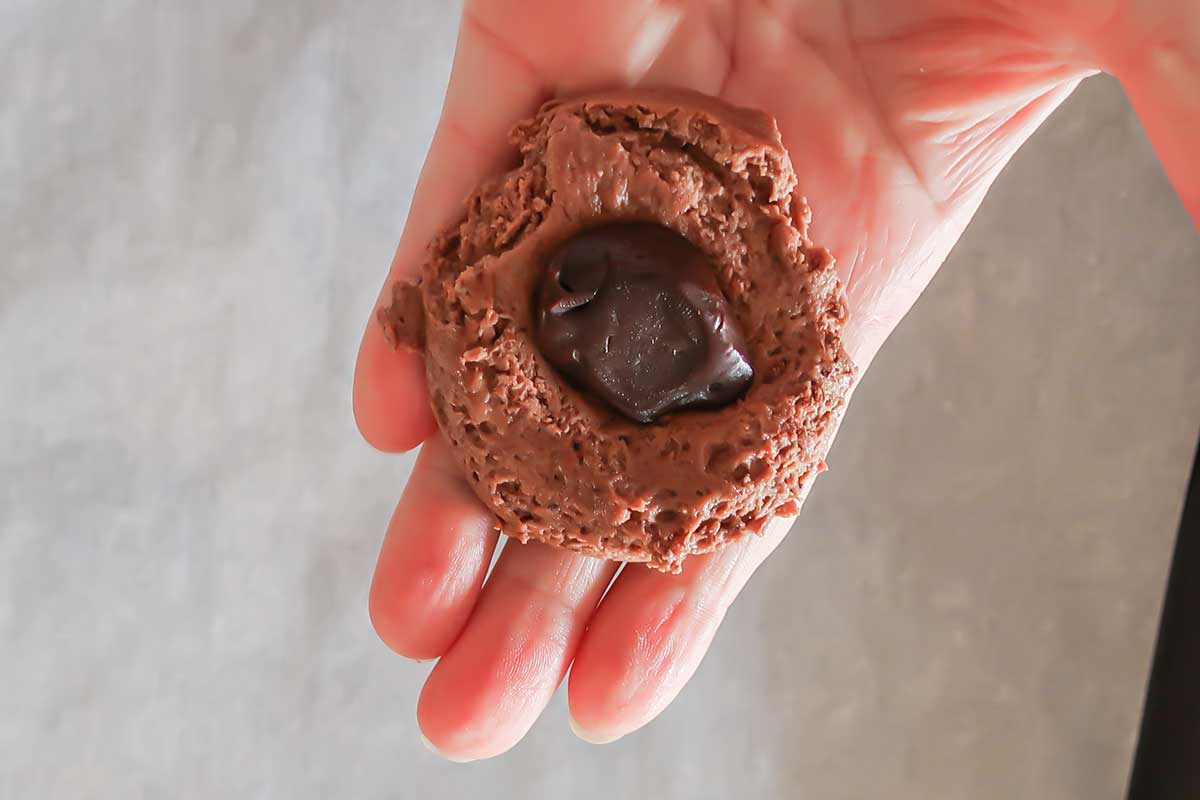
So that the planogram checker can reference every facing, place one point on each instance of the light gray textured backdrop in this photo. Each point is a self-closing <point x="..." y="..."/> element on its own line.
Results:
<point x="197" y="205"/>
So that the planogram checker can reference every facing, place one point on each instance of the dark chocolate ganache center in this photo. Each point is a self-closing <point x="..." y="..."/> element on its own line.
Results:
<point x="631" y="313"/>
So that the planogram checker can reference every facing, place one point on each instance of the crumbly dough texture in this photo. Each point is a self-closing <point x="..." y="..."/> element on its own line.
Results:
<point x="552" y="464"/>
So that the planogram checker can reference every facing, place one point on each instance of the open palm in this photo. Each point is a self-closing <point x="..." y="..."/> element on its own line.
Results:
<point x="898" y="117"/>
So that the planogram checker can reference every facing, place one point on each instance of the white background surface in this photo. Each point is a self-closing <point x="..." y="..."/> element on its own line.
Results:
<point x="198" y="202"/>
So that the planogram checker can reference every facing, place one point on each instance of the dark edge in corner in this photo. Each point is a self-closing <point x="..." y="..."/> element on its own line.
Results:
<point x="1166" y="765"/>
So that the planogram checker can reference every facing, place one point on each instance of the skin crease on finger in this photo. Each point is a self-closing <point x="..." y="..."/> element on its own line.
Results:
<point x="918" y="106"/>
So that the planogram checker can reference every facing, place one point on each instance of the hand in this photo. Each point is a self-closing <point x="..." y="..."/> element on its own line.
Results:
<point x="898" y="117"/>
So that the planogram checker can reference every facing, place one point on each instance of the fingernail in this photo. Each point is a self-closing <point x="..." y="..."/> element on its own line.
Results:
<point x="433" y="749"/>
<point x="588" y="736"/>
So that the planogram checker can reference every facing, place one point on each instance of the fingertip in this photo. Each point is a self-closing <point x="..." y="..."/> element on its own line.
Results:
<point x="588" y="735"/>
<point x="650" y="634"/>
<point x="642" y="639"/>
<point x="495" y="681"/>
<point x="453" y="722"/>
<point x="431" y="566"/>
<point x="392" y="630"/>
<point x="420" y="601"/>
<point x="391" y="406"/>
<point x="431" y="747"/>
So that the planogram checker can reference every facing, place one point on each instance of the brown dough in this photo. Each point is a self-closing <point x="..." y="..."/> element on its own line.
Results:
<point x="549" y="462"/>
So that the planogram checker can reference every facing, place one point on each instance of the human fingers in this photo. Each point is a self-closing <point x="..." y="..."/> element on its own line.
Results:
<point x="650" y="633"/>
<point x="497" y="678"/>
<point x="433" y="560"/>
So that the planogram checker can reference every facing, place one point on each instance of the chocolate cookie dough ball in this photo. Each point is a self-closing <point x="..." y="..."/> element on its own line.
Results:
<point x="632" y="346"/>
